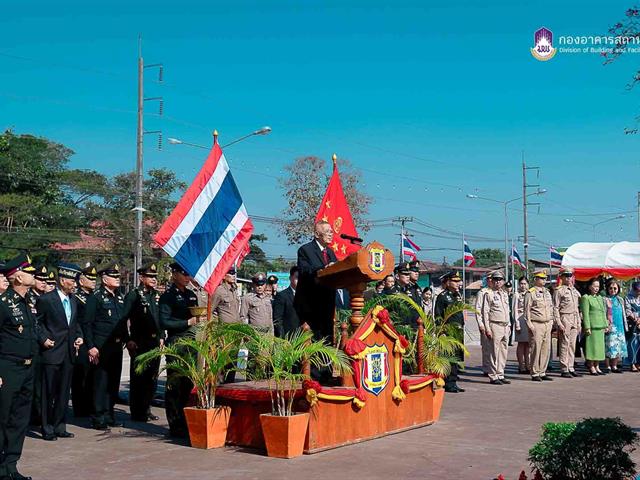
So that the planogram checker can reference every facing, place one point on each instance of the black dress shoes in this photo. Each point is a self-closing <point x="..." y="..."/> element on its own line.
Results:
<point x="566" y="375"/>
<point x="536" y="379"/>
<point x="546" y="378"/>
<point x="65" y="435"/>
<point x="152" y="417"/>
<point x="453" y="389"/>
<point x="100" y="426"/>
<point x="496" y="382"/>
<point x="575" y="374"/>
<point x="49" y="437"/>
<point x="18" y="476"/>
<point x="505" y="381"/>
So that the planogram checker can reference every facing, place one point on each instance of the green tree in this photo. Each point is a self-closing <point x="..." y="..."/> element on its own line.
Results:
<point x="304" y="185"/>
<point x="38" y="195"/>
<point x="485" y="257"/>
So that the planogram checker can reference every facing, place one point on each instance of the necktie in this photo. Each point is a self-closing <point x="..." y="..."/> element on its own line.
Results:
<point x="67" y="309"/>
<point x="325" y="256"/>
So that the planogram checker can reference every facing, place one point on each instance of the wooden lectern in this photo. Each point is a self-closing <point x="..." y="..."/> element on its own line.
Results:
<point x="370" y="263"/>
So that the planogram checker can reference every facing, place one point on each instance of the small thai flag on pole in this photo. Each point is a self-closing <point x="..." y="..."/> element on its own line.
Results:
<point x="515" y="258"/>
<point x="209" y="230"/>
<point x="469" y="259"/>
<point x="555" y="257"/>
<point x="409" y="249"/>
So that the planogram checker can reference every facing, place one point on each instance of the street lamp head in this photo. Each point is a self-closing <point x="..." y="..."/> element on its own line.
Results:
<point x="620" y="216"/>
<point x="470" y="195"/>
<point x="569" y="220"/>
<point x="263" y="131"/>
<point x="174" y="141"/>
<point x="541" y="191"/>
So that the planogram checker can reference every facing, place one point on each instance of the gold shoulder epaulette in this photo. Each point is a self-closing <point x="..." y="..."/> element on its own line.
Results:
<point x="532" y="289"/>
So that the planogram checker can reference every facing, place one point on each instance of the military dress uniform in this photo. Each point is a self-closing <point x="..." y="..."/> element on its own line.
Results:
<point x="496" y="318"/>
<point x="256" y="309"/>
<point x="414" y="288"/>
<point x="18" y="346"/>
<point x="485" y="343"/>
<point x="174" y="318"/>
<point x="225" y="303"/>
<point x="106" y="330"/>
<point x="539" y="314"/>
<point x="412" y="291"/>
<point x="444" y="300"/>
<point x="142" y="310"/>
<point x="41" y="274"/>
<point x="81" y="382"/>
<point x="566" y="302"/>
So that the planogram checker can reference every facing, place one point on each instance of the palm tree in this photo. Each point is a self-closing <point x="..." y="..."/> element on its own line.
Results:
<point x="204" y="356"/>
<point x="279" y="360"/>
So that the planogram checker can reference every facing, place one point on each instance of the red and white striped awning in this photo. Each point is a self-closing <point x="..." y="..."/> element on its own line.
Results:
<point x="620" y="260"/>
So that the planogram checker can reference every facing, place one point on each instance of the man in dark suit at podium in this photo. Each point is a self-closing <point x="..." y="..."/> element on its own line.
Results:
<point x="316" y="303"/>
<point x="285" y="318"/>
<point x="61" y="337"/>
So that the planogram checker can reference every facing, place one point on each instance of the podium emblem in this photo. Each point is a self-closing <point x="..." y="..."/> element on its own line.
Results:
<point x="376" y="260"/>
<point x="375" y="369"/>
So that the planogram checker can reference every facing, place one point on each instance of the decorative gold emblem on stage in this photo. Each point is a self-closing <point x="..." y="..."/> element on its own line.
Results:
<point x="375" y="368"/>
<point x="376" y="259"/>
<point x="337" y="224"/>
<point x="20" y="329"/>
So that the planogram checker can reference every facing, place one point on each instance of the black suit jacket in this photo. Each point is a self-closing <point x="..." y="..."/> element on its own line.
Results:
<point x="54" y="326"/>
<point x="285" y="318"/>
<point x="314" y="303"/>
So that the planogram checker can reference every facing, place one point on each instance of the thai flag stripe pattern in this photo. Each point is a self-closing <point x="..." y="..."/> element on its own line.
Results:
<point x="555" y="256"/>
<point x="210" y="227"/>
<point x="469" y="259"/>
<point x="409" y="249"/>
<point x="515" y="258"/>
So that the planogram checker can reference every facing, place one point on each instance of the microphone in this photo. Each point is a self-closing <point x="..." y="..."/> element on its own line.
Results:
<point x="353" y="240"/>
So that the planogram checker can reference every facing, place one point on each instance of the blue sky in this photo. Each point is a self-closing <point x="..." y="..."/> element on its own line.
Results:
<point x="433" y="100"/>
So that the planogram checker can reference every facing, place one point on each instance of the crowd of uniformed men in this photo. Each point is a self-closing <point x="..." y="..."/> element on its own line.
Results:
<point x="62" y="336"/>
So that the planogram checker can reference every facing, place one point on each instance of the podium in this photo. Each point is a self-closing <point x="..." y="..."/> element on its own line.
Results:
<point x="370" y="263"/>
<point x="376" y="400"/>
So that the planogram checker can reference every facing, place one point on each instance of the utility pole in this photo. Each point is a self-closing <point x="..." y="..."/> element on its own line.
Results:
<point x="137" y="263"/>
<point x="402" y="221"/>
<point x="525" y="204"/>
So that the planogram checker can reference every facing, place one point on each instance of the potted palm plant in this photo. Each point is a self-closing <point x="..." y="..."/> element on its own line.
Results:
<point x="279" y="360"/>
<point x="204" y="356"/>
<point x="442" y="339"/>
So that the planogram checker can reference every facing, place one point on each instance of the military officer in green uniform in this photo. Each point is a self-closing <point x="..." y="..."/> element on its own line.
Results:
<point x="18" y="346"/>
<point x="414" y="276"/>
<point x="404" y="285"/>
<point x="176" y="318"/>
<point x="450" y="296"/>
<point x="145" y="334"/>
<point x="106" y="334"/>
<point x="81" y="384"/>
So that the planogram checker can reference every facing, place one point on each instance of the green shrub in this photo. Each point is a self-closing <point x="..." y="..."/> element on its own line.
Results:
<point x="593" y="449"/>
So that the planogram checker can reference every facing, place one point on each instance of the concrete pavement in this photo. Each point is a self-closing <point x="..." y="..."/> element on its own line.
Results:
<point x="483" y="432"/>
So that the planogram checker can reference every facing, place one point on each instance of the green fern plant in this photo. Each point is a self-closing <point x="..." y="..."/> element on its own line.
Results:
<point x="442" y="339"/>
<point x="205" y="355"/>
<point x="278" y="360"/>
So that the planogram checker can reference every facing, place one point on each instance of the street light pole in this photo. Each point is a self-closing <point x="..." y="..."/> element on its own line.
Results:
<point x="261" y="131"/>
<point x="594" y="225"/>
<point x="506" y="221"/>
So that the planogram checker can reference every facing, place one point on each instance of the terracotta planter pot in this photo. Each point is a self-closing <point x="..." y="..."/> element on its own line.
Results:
<point x="207" y="427"/>
<point x="284" y="436"/>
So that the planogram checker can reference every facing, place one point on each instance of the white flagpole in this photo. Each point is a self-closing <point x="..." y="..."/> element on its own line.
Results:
<point x="464" y="284"/>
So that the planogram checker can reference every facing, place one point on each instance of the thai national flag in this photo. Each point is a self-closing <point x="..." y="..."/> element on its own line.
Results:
<point x="409" y="249"/>
<point x="209" y="229"/>
<point x="515" y="258"/>
<point x="555" y="257"/>
<point x="469" y="259"/>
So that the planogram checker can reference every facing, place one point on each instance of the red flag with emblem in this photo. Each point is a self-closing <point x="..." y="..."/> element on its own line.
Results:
<point x="335" y="210"/>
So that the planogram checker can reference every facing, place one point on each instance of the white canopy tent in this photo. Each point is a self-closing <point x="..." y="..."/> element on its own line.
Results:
<point x="620" y="260"/>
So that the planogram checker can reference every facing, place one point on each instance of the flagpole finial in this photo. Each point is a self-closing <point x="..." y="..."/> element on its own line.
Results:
<point x="215" y="136"/>
<point x="335" y="159"/>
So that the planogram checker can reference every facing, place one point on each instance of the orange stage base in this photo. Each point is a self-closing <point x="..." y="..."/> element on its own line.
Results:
<point x="333" y="423"/>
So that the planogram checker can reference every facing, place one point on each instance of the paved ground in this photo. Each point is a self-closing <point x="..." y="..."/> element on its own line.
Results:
<point x="483" y="432"/>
